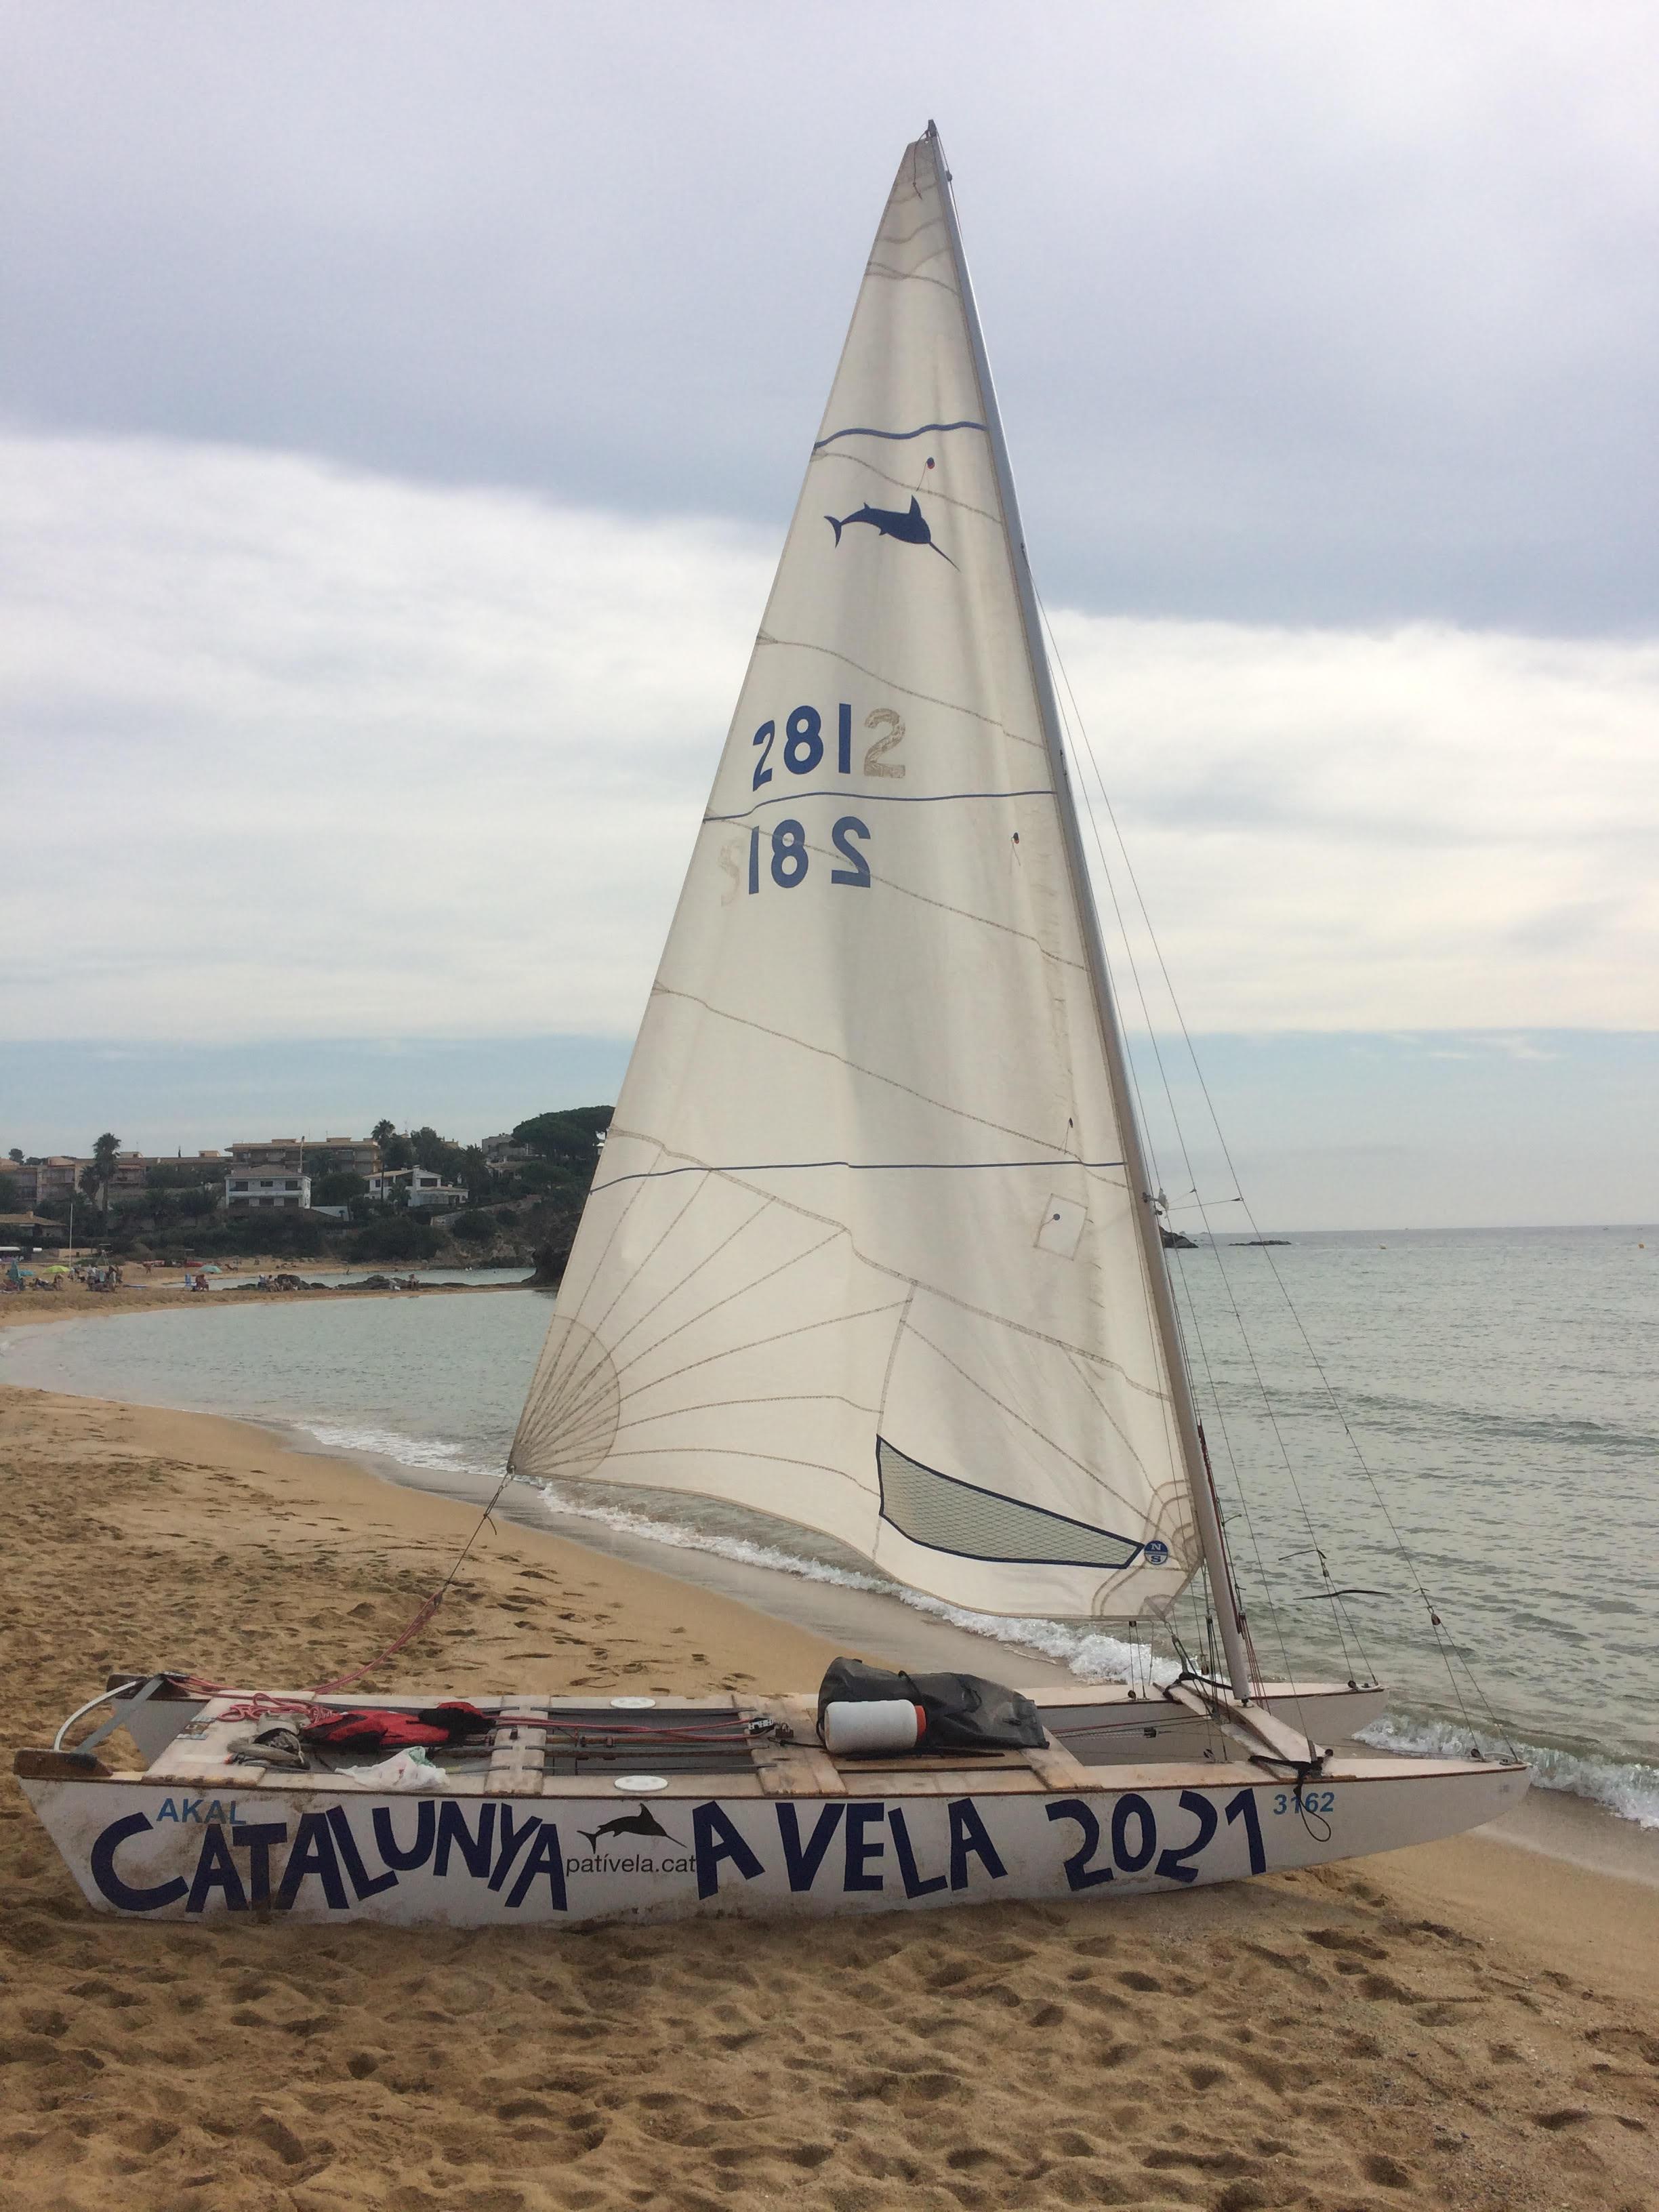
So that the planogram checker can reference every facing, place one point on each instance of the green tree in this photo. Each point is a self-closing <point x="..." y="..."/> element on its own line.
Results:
<point x="169" y="1174"/>
<point x="100" y="1176"/>
<point x="341" y="1187"/>
<point x="15" y="1155"/>
<point x="438" y="1155"/>
<point x="399" y="1236"/>
<point x="383" y="1133"/>
<point x="568" y="1139"/>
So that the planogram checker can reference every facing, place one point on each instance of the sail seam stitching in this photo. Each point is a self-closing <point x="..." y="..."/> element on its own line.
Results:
<point x="758" y="1344"/>
<point x="883" y="799"/>
<point x="856" y="1067"/>
<point x="714" y="1405"/>
<point x="858" y="1167"/>
<point x="735" y="1451"/>
<point x="917" y="491"/>
<point x="571" y="1397"/>
<point x="912" y="276"/>
<point x="1031" y="1428"/>
<point x="743" y="1291"/>
<point x="945" y="1296"/>
<point x="951" y="706"/>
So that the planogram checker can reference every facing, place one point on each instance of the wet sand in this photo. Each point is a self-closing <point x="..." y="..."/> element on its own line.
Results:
<point x="1468" y="2024"/>
<point x="166" y="1292"/>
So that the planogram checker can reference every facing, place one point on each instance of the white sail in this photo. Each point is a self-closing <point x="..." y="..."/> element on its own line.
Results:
<point x="860" y="1252"/>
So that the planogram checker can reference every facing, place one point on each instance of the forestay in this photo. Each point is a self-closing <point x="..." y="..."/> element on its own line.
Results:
<point x="860" y="1251"/>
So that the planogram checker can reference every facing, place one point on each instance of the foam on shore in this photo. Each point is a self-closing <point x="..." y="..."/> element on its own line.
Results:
<point x="1626" y="1787"/>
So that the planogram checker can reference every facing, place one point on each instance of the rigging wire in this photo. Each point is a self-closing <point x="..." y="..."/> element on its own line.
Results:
<point x="1446" y="1649"/>
<point x="1347" y="1629"/>
<point x="1189" y="1332"/>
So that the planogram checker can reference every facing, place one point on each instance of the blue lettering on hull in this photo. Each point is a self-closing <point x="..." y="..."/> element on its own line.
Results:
<point x="855" y="1848"/>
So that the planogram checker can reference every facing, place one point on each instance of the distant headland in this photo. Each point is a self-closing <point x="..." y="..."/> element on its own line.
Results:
<point x="407" y="1196"/>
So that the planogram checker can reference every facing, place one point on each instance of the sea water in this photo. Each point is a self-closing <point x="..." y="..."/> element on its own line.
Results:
<point x="1458" y="1428"/>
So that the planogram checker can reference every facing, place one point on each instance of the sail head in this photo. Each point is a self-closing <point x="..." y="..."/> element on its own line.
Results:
<point x="861" y="1250"/>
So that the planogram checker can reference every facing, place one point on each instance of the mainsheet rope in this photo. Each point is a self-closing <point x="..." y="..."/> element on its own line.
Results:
<point x="257" y="1707"/>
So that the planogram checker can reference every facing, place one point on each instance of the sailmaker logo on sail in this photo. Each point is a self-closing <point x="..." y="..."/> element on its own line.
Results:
<point x="907" y="527"/>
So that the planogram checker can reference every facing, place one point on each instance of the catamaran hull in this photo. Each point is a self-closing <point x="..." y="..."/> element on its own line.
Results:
<point x="153" y="1852"/>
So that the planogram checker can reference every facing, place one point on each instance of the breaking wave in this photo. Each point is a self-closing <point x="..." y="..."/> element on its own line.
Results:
<point x="1627" y="1787"/>
<point x="1092" y="1653"/>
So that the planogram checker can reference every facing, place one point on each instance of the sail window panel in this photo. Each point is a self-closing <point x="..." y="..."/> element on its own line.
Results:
<point x="1019" y="1590"/>
<point x="950" y="1514"/>
<point x="1084" y="1434"/>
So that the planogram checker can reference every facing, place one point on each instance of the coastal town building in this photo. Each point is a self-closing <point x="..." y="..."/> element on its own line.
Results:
<point x="266" y="1155"/>
<point x="343" y="1155"/>
<point x="255" y="1173"/>
<point x="132" y="1170"/>
<point x="57" y="1177"/>
<point x="505" y="1152"/>
<point x="32" y="1183"/>
<point x="21" y="1232"/>
<point x="267" y="1172"/>
<point x="427" y="1192"/>
<point x="249" y="1189"/>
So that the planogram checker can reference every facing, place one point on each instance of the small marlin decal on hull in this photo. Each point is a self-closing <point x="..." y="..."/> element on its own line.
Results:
<point x="642" y="1823"/>
<point x="909" y="529"/>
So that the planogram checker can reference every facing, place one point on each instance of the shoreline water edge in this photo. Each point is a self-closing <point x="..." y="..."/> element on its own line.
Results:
<point x="1600" y="1813"/>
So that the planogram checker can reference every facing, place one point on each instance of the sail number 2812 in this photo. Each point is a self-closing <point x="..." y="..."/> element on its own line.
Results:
<point x="788" y="859"/>
<point x="781" y="852"/>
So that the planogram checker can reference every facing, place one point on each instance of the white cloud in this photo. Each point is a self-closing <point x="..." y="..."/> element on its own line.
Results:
<point x="1424" y="829"/>
<point x="296" y="751"/>
<point x="303" y="752"/>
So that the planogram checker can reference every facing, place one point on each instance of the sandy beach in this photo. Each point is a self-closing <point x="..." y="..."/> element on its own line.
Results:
<point x="1468" y="2025"/>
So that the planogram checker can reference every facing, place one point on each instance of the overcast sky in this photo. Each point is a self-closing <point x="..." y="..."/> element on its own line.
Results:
<point x="401" y="407"/>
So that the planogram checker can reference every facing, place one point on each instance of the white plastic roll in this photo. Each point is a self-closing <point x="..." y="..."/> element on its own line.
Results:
<point x="879" y="1725"/>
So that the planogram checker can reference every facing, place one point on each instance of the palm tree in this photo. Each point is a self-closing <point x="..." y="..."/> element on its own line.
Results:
<point x="103" y="1167"/>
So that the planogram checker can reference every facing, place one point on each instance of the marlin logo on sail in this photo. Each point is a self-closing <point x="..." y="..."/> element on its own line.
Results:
<point x="642" y="1823"/>
<point x="909" y="529"/>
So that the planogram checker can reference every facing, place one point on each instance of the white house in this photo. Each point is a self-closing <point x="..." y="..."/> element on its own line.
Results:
<point x="428" y="1192"/>
<point x="505" y="1151"/>
<point x="248" y="1189"/>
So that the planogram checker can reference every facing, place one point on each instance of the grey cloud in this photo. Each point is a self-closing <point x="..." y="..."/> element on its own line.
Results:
<point x="1299" y="313"/>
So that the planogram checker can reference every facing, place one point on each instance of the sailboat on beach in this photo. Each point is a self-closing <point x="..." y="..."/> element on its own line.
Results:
<point x="871" y="1248"/>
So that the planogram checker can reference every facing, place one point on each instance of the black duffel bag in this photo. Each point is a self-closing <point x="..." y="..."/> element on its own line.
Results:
<point x="964" y="1712"/>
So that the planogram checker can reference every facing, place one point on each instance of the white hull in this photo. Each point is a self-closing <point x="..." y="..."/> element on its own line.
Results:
<point x="438" y="1859"/>
<point x="516" y="1842"/>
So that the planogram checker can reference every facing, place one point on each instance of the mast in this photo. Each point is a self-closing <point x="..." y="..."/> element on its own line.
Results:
<point x="1229" y="1611"/>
